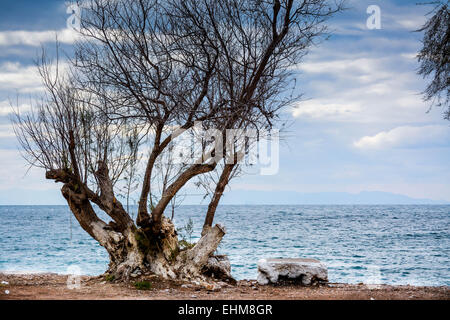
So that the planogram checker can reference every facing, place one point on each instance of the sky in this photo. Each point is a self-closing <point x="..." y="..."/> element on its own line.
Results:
<point x="361" y="124"/>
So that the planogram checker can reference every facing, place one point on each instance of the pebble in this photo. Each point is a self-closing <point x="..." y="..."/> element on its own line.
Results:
<point x="7" y="291"/>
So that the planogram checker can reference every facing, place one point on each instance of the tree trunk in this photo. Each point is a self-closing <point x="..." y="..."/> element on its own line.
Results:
<point x="218" y="192"/>
<point x="162" y="256"/>
<point x="134" y="250"/>
<point x="171" y="191"/>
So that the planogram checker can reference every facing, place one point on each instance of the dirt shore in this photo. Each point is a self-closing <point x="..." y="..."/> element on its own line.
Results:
<point x="52" y="286"/>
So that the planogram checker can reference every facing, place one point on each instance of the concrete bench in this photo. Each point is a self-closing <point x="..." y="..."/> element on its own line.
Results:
<point x="305" y="271"/>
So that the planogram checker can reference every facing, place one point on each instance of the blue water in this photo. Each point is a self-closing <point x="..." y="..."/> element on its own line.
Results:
<point x="370" y="244"/>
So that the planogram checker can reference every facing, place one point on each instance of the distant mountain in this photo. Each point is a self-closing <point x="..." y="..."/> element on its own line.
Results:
<point x="31" y="197"/>
<point x="292" y="197"/>
<point x="241" y="197"/>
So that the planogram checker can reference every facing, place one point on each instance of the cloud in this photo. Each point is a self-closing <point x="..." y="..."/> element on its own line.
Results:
<point x="395" y="17"/>
<point x="376" y="83"/>
<point x="367" y="76"/>
<point x="6" y="108"/>
<point x="405" y="20"/>
<point x="349" y="66"/>
<point x="406" y="136"/>
<point x="6" y="131"/>
<point x="14" y="76"/>
<point x="316" y="109"/>
<point x="36" y="38"/>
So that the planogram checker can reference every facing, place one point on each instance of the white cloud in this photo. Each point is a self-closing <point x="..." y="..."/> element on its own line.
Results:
<point x="6" y="131"/>
<point x="25" y="78"/>
<point x="6" y="108"/>
<point x="36" y="38"/>
<point x="346" y="66"/>
<point x="404" y="20"/>
<point x="367" y="76"/>
<point x="394" y="17"/>
<point x="317" y="109"/>
<point x="15" y="76"/>
<point x="406" y="136"/>
<point x="380" y="103"/>
<point x="375" y="84"/>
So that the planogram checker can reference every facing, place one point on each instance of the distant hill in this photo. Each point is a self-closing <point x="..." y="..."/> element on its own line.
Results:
<point x="292" y="197"/>
<point x="31" y="197"/>
<point x="241" y="197"/>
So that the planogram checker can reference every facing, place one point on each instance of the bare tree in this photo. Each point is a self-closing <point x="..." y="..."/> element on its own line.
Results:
<point x="154" y="71"/>
<point x="434" y="57"/>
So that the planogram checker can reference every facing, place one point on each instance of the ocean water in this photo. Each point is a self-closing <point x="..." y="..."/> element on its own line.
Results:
<point x="370" y="244"/>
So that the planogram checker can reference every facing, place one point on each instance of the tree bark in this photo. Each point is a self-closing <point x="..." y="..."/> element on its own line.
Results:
<point x="143" y="218"/>
<point x="133" y="249"/>
<point x="108" y="202"/>
<point x="218" y="192"/>
<point x="170" y="192"/>
<point x="82" y="209"/>
<point x="191" y="262"/>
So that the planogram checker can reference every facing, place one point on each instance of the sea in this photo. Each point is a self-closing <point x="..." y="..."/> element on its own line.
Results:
<point x="372" y="244"/>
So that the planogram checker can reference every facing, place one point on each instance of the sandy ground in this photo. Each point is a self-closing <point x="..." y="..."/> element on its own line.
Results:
<point x="52" y="286"/>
